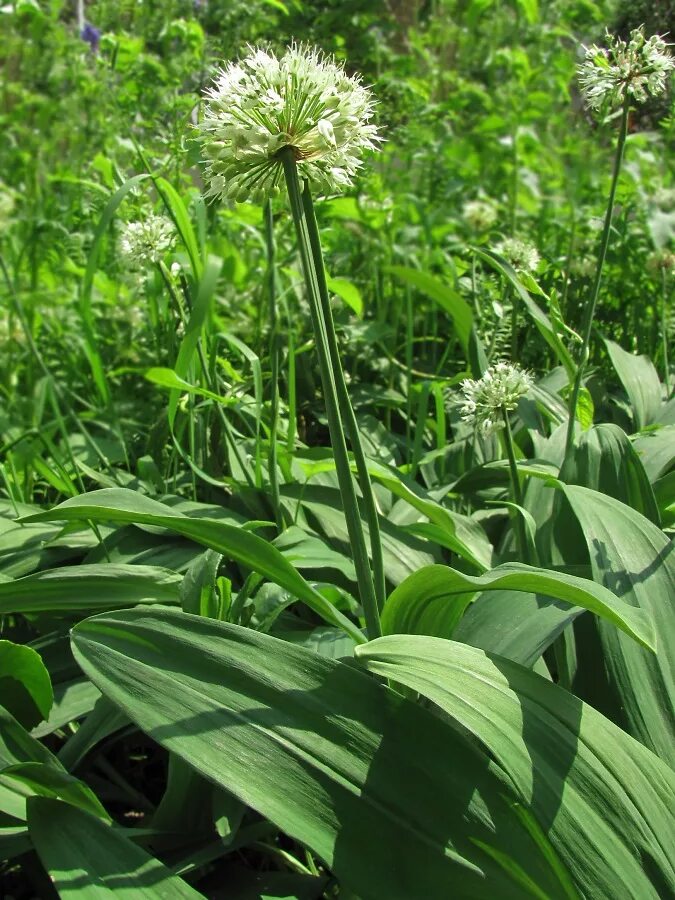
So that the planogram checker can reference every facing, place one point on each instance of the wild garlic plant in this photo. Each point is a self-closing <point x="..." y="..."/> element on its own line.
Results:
<point x="612" y="78"/>
<point x="486" y="406"/>
<point x="300" y="118"/>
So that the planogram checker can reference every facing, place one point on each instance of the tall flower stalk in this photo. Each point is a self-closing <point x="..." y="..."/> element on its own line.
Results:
<point x="486" y="406"/>
<point x="274" y="364"/>
<point x="610" y="78"/>
<point x="300" y="118"/>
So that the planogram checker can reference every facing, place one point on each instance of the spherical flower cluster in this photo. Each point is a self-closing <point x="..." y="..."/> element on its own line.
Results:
<point x="635" y="70"/>
<point x="583" y="266"/>
<point x="521" y="255"/>
<point x="146" y="241"/>
<point x="500" y="388"/>
<point x="264" y="104"/>
<point x="479" y="215"/>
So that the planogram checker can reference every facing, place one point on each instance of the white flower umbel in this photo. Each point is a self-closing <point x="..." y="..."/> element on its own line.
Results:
<point x="479" y="215"/>
<point x="633" y="69"/>
<point x="521" y="255"/>
<point x="500" y="388"/>
<point x="146" y="241"/>
<point x="263" y="104"/>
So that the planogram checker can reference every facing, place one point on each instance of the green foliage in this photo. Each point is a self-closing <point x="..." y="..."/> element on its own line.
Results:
<point x="200" y="469"/>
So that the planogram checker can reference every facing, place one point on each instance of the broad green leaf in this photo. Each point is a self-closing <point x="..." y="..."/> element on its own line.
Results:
<point x="27" y="767"/>
<point x="436" y="596"/>
<point x="464" y="536"/>
<point x="89" y="587"/>
<point x="121" y="505"/>
<point x="348" y="292"/>
<point x="336" y="760"/>
<point x="454" y="305"/>
<point x="402" y="553"/>
<point x="605" y="801"/>
<point x="25" y="686"/>
<point x="514" y="624"/>
<point x="48" y="780"/>
<point x="445" y="296"/>
<point x="604" y="459"/>
<point x="72" y="700"/>
<point x="635" y="559"/>
<point x="88" y="859"/>
<point x="656" y="450"/>
<point x="641" y="381"/>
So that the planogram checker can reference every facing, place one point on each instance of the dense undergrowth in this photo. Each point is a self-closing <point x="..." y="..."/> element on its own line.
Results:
<point x="295" y="600"/>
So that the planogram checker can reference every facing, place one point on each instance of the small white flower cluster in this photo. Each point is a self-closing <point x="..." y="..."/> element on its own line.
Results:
<point x="479" y="215"/>
<point x="664" y="199"/>
<point x="661" y="261"/>
<point x="523" y="256"/>
<point x="583" y="266"/>
<point x="635" y="69"/>
<point x="264" y="104"/>
<point x="6" y="204"/>
<point x="146" y="241"/>
<point x="500" y="388"/>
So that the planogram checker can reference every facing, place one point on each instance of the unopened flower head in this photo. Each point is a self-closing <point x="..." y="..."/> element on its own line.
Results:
<point x="633" y="69"/>
<point x="479" y="215"/>
<point x="521" y="255"/>
<point x="146" y="241"/>
<point x="263" y="104"/>
<point x="500" y="388"/>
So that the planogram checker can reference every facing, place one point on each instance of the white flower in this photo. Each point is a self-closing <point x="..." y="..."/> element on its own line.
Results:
<point x="664" y="199"/>
<point x="500" y="388"/>
<point x="263" y="104"/>
<point x="146" y="241"/>
<point x="521" y="255"/>
<point x="479" y="215"/>
<point x="583" y="266"/>
<point x="7" y="199"/>
<point x="634" y="69"/>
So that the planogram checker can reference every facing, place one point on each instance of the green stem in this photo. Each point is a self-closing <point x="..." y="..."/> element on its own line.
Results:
<point x="337" y="435"/>
<point x="591" y="305"/>
<point x="664" y="330"/>
<point x="346" y="409"/>
<point x="515" y="486"/>
<point x="274" y="365"/>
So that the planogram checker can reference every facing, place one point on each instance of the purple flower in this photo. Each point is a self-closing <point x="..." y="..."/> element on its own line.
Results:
<point x="91" y="35"/>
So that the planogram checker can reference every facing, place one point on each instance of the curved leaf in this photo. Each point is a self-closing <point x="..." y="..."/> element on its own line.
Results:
<point x="89" y="587"/>
<point x="605" y="801"/>
<point x="421" y="600"/>
<point x="641" y="381"/>
<point x="336" y="760"/>
<point x="633" y="557"/>
<point x="86" y="858"/>
<point x="25" y="686"/>
<point x="121" y="505"/>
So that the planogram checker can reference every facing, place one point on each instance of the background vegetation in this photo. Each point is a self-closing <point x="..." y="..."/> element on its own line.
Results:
<point x="214" y="732"/>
